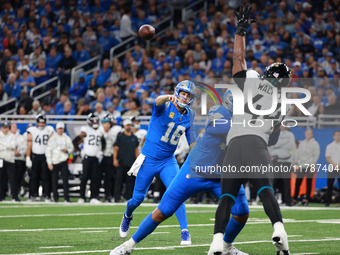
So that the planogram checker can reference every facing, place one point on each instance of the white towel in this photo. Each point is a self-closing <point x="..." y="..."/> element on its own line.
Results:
<point x="136" y="165"/>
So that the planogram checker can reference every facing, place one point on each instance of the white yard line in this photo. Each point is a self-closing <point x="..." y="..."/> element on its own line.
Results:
<point x="94" y="231"/>
<point x="156" y="233"/>
<point x="55" y="247"/>
<point x="177" y="246"/>
<point x="84" y="214"/>
<point x="286" y="221"/>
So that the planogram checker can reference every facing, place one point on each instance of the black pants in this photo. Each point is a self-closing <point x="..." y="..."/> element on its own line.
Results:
<point x="63" y="169"/>
<point x="40" y="172"/>
<point x="282" y="182"/>
<point x="109" y="172"/>
<point x="20" y="169"/>
<point x="330" y="185"/>
<point x="122" y="177"/>
<point x="298" y="182"/>
<point x="246" y="151"/>
<point x="91" y="172"/>
<point x="8" y="170"/>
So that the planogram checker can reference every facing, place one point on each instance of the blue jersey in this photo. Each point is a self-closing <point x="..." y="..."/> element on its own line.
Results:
<point x="211" y="147"/>
<point x="166" y="126"/>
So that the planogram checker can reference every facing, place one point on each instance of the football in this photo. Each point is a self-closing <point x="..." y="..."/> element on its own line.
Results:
<point x="146" y="32"/>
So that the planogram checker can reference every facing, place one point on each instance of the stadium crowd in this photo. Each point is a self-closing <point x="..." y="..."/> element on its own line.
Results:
<point x="42" y="39"/>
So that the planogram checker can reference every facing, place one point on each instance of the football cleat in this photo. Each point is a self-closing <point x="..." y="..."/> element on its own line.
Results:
<point x="217" y="245"/>
<point x="229" y="249"/>
<point x="280" y="239"/>
<point x="81" y="201"/>
<point x="123" y="249"/>
<point x="185" y="237"/>
<point x="125" y="226"/>
<point x="95" y="201"/>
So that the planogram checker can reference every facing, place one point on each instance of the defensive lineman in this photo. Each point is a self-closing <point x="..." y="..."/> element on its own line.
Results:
<point x="171" y="117"/>
<point x="58" y="150"/>
<point x="209" y="151"/>
<point x="247" y="146"/>
<point x="94" y="143"/>
<point x="37" y="139"/>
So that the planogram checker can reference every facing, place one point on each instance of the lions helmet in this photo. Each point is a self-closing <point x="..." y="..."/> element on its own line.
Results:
<point x="187" y="86"/>
<point x="41" y="118"/>
<point x="228" y="100"/>
<point x="278" y="74"/>
<point x="93" y="121"/>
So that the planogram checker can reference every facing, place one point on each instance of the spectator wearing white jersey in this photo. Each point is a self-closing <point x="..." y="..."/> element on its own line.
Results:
<point x="57" y="152"/>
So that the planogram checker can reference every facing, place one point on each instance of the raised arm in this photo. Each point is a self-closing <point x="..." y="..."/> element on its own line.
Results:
<point x="243" y="22"/>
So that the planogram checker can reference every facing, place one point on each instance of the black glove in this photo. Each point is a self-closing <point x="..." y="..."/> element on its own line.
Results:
<point x="243" y="21"/>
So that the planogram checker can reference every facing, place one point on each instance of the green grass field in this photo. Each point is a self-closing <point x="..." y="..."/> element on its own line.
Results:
<point x="84" y="229"/>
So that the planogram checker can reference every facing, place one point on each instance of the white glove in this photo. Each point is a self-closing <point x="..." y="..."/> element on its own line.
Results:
<point x="100" y="156"/>
<point x="136" y="165"/>
<point x="28" y="162"/>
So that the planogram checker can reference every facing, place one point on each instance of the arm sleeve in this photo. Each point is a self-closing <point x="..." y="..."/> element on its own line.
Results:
<point x="117" y="143"/>
<point x="240" y="78"/>
<point x="158" y="110"/>
<point x="328" y="151"/>
<point x="48" y="152"/>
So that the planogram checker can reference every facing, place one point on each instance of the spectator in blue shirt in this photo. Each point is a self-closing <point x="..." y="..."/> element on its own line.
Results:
<point x="78" y="89"/>
<point x="26" y="82"/>
<point x="68" y="109"/>
<point x="41" y="73"/>
<point x="12" y="87"/>
<point x="52" y="60"/>
<point x="218" y="63"/>
<point x="80" y="54"/>
<point x="105" y="73"/>
<point x="107" y="41"/>
<point x="172" y="58"/>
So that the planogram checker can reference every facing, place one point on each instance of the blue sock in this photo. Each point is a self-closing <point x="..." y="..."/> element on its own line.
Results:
<point x="181" y="215"/>
<point x="232" y="230"/>
<point x="147" y="226"/>
<point x="131" y="206"/>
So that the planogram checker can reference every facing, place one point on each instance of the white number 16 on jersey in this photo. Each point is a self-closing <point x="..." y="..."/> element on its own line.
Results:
<point x="175" y="136"/>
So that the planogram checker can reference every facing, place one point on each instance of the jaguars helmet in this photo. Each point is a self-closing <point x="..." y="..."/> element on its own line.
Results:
<point x="187" y="86"/>
<point x="41" y="118"/>
<point x="278" y="74"/>
<point x="93" y="121"/>
<point x="228" y="100"/>
<point x="108" y="118"/>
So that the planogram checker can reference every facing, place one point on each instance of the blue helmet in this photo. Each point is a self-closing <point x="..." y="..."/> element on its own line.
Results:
<point x="187" y="86"/>
<point x="228" y="100"/>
